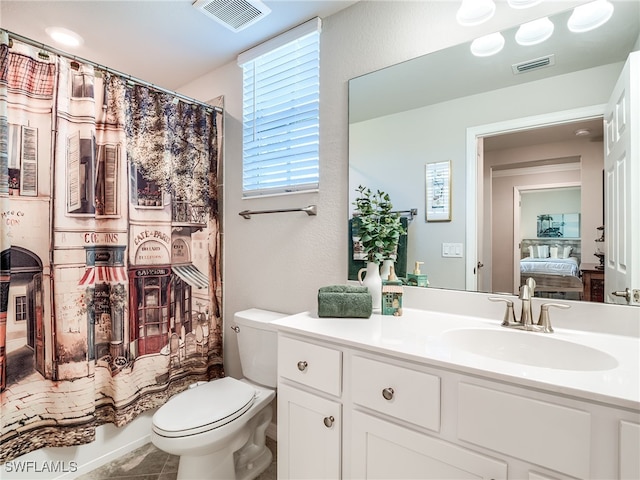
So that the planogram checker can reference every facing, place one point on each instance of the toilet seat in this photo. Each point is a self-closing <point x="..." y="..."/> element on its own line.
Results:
<point x="203" y="408"/>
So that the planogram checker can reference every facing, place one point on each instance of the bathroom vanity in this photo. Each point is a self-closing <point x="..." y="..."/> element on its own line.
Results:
<point x="438" y="395"/>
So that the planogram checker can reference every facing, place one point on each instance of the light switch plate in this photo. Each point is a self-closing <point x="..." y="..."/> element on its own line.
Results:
<point x="452" y="250"/>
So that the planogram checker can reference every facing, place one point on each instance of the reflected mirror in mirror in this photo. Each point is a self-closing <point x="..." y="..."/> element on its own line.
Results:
<point x="421" y="111"/>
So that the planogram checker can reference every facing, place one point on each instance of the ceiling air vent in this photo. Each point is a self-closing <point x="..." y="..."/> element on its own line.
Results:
<point x="534" y="64"/>
<point x="236" y="15"/>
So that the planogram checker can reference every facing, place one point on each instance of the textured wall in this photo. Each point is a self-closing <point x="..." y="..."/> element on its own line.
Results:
<point x="279" y="261"/>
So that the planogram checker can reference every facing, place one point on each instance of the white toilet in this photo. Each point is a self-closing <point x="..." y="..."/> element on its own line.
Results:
<point x="218" y="427"/>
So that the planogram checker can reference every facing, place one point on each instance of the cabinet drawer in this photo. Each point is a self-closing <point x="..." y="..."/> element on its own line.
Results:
<point x="309" y="364"/>
<point x="397" y="391"/>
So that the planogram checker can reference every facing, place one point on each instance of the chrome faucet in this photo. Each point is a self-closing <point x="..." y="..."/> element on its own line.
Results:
<point x="526" y="315"/>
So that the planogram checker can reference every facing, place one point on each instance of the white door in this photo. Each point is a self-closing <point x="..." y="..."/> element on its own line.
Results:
<point x="622" y="187"/>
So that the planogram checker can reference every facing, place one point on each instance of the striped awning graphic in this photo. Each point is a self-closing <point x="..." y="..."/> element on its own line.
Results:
<point x="190" y="274"/>
<point x="93" y="275"/>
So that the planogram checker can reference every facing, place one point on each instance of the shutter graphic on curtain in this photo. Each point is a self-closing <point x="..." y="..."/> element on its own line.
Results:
<point x="13" y="139"/>
<point x="110" y="163"/>
<point x="106" y="183"/>
<point x="73" y="172"/>
<point x="29" y="164"/>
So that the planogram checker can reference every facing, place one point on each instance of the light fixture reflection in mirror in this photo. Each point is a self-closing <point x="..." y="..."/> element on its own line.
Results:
<point x="468" y="91"/>
<point x="523" y="3"/>
<point x="487" y="45"/>
<point x="535" y="32"/>
<point x="590" y="16"/>
<point x="475" y="12"/>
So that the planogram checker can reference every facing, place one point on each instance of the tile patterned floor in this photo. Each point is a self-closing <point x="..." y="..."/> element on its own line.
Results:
<point x="150" y="463"/>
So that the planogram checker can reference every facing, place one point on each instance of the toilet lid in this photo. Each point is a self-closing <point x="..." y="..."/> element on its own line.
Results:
<point x="203" y="408"/>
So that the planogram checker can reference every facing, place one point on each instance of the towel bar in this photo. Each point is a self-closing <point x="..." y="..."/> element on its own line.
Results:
<point x="310" y="210"/>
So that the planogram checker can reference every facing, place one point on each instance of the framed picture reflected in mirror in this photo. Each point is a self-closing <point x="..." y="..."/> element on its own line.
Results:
<point x="558" y="225"/>
<point x="438" y="177"/>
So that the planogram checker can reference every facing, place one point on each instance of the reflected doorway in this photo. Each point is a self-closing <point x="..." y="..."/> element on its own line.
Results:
<point x="529" y="152"/>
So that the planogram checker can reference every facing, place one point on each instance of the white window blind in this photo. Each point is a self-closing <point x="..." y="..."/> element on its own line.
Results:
<point x="281" y="87"/>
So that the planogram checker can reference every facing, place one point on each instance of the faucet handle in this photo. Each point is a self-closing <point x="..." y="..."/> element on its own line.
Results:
<point x="509" y="314"/>
<point x="545" y="320"/>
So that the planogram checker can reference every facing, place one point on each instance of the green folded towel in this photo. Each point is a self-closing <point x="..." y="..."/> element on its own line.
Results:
<point x="344" y="301"/>
<point x="343" y="289"/>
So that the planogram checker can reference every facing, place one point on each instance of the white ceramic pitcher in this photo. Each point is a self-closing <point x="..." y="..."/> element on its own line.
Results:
<point x="373" y="282"/>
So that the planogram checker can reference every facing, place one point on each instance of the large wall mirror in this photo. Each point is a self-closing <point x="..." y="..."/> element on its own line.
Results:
<point x="534" y="132"/>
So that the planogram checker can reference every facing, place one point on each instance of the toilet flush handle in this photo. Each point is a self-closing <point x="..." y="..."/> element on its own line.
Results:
<point x="236" y="329"/>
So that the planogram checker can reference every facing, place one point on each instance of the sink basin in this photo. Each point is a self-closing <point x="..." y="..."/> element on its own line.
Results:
<point x="529" y="348"/>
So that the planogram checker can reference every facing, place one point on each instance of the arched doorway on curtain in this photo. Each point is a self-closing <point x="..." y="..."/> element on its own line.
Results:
<point x="25" y="346"/>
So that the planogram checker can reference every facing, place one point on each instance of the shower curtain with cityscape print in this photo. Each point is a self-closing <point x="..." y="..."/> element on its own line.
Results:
<point x="110" y="288"/>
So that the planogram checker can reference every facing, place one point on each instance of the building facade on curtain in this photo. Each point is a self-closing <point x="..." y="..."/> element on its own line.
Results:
<point x="108" y="273"/>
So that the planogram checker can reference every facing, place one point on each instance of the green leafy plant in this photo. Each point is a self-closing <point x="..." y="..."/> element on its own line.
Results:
<point x="380" y="228"/>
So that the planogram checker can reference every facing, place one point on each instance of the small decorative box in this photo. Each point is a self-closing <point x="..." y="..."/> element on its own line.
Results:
<point x="392" y="300"/>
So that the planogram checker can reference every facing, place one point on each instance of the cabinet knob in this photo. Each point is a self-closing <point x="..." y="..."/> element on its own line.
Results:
<point x="328" y="421"/>
<point x="387" y="393"/>
<point x="302" y="365"/>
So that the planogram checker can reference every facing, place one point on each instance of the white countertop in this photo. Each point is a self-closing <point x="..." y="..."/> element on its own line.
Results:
<point x="418" y="336"/>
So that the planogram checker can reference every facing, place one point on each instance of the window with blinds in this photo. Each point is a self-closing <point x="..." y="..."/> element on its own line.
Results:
<point x="281" y="87"/>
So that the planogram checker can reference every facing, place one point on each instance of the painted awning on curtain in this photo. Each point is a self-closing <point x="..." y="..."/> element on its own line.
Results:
<point x="190" y="274"/>
<point x="93" y="275"/>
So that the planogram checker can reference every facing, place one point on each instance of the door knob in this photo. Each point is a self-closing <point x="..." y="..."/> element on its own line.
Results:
<point x="328" y="421"/>
<point x="626" y="294"/>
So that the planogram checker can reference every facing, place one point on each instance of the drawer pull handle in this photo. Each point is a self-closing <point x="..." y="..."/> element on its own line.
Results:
<point x="387" y="393"/>
<point x="302" y="365"/>
<point x="328" y="421"/>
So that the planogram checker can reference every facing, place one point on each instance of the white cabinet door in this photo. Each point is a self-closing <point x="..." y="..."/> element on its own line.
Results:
<point x="384" y="450"/>
<point x="309" y="433"/>
<point x="629" y="448"/>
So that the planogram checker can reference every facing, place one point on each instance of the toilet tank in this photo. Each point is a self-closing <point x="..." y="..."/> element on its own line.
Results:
<point x="258" y="345"/>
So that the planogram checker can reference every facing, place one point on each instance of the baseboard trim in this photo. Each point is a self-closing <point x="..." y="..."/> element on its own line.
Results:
<point x="108" y="457"/>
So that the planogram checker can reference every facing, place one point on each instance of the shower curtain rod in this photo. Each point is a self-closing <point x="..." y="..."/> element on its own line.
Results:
<point x="53" y="50"/>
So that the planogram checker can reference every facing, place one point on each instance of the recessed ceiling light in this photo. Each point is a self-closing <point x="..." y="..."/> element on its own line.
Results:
<point x="590" y="16"/>
<point x="534" y="32"/>
<point x="475" y="12"/>
<point x="523" y="3"/>
<point x="487" y="45"/>
<point x="582" y="132"/>
<point x="64" y="36"/>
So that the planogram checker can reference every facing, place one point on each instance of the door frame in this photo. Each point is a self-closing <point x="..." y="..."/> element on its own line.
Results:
<point x="475" y="169"/>
<point x="517" y="192"/>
